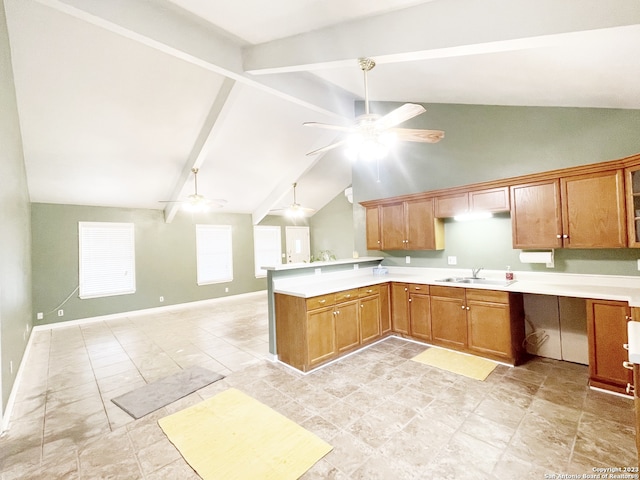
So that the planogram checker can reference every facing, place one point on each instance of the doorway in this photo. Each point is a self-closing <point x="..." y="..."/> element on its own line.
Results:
<point x="297" y="244"/>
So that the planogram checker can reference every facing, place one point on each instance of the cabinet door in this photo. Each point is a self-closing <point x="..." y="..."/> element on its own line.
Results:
<point x="593" y="210"/>
<point x="392" y="227"/>
<point x="321" y="340"/>
<point x="449" y="321"/>
<point x="632" y="186"/>
<point x="489" y="328"/>
<point x="420" y="316"/>
<point x="369" y="318"/>
<point x="607" y="332"/>
<point x="490" y="200"/>
<point x="385" y="309"/>
<point x="421" y="226"/>
<point x="536" y="215"/>
<point x="372" y="220"/>
<point x="347" y="326"/>
<point x="448" y="206"/>
<point x="400" y="308"/>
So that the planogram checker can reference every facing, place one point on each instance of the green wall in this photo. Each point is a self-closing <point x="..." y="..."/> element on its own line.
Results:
<point x="15" y="235"/>
<point x="165" y="260"/>
<point x="331" y="228"/>
<point x="484" y="143"/>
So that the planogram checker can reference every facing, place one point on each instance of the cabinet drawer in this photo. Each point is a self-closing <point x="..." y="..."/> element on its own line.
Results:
<point x="419" y="288"/>
<point x="346" y="295"/>
<point x="448" y="292"/>
<point x="367" y="291"/>
<point x="494" y="296"/>
<point x="321" y="301"/>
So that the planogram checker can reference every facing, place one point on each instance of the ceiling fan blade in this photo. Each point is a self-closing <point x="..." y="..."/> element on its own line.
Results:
<point x="400" y="114"/>
<point x="328" y="126"/>
<point x="328" y="147"/>
<point x="417" y="135"/>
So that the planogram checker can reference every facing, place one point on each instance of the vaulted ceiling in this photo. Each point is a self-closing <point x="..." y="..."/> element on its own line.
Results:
<point x="119" y="100"/>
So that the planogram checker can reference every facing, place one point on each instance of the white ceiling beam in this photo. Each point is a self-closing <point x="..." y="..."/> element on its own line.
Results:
<point x="438" y="29"/>
<point x="181" y="36"/>
<point x="200" y="149"/>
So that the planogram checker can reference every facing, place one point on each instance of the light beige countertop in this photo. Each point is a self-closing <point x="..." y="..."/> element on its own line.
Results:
<point x="604" y="287"/>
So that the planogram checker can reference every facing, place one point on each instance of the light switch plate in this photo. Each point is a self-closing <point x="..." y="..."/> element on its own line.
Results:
<point x="451" y="260"/>
<point x="407" y="259"/>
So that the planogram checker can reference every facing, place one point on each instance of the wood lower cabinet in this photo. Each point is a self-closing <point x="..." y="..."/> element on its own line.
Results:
<point x="485" y="322"/>
<point x="313" y="331"/>
<point x="490" y="330"/>
<point x="347" y="326"/>
<point x="607" y="332"/>
<point x="320" y="336"/>
<point x="370" y="313"/>
<point x="410" y="310"/>
<point x="449" y="317"/>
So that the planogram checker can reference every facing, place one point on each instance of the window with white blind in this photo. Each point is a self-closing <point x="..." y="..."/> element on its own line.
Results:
<point x="214" y="255"/>
<point x="267" y="247"/>
<point x="107" y="259"/>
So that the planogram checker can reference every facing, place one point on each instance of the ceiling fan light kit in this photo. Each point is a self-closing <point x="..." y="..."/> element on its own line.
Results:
<point x="373" y="136"/>
<point x="195" y="202"/>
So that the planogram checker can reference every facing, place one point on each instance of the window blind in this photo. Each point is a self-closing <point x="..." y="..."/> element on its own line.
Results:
<point x="107" y="259"/>
<point x="267" y="245"/>
<point x="214" y="254"/>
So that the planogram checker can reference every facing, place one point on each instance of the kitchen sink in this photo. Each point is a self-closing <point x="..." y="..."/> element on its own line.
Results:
<point x="476" y="281"/>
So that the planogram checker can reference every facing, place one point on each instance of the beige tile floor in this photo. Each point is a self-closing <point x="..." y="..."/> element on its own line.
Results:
<point x="386" y="416"/>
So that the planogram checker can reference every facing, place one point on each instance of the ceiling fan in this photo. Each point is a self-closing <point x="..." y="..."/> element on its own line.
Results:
<point x="295" y="210"/>
<point x="373" y="134"/>
<point x="196" y="202"/>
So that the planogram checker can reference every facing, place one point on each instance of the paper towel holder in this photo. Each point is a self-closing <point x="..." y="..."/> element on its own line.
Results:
<point x="546" y="257"/>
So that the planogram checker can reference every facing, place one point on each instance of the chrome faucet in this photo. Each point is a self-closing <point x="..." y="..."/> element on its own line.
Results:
<point x="475" y="272"/>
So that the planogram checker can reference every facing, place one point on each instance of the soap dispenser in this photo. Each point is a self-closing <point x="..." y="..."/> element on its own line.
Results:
<point x="508" y="274"/>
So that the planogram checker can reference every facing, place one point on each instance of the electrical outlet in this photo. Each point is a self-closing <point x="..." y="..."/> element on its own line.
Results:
<point x="318" y="271"/>
<point x="356" y="266"/>
<point x="451" y="260"/>
<point x="40" y="316"/>
<point x="161" y="299"/>
<point x="60" y="313"/>
<point x="226" y="289"/>
<point x="407" y="259"/>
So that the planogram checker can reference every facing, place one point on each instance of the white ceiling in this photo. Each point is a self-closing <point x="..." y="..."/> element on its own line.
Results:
<point x="119" y="100"/>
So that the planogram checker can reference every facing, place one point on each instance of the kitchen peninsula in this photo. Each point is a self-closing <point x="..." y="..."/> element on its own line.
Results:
<point x="321" y="316"/>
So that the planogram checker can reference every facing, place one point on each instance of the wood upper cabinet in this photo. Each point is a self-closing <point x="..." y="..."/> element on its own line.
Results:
<point x="372" y="220"/>
<point x="593" y="210"/>
<point x="607" y="332"/>
<point x="632" y="186"/>
<point x="410" y="226"/>
<point x="580" y="211"/>
<point x="487" y="200"/>
<point x="448" y="317"/>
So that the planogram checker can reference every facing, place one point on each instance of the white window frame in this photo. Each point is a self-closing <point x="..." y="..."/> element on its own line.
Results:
<point x="106" y="259"/>
<point x="267" y="248"/>
<point x="214" y="254"/>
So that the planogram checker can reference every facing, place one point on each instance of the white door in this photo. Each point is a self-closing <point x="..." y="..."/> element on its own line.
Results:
<point x="298" y="246"/>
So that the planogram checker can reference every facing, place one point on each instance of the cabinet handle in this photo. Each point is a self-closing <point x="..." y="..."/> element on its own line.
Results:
<point x="405" y="289"/>
<point x="627" y="318"/>
<point x="417" y="288"/>
<point x="468" y="308"/>
<point x="369" y="291"/>
<point x="321" y="301"/>
<point x="565" y="236"/>
<point x="361" y="306"/>
<point x="337" y="312"/>
<point x="631" y="390"/>
<point x="625" y="346"/>
<point x="348" y="296"/>
<point x="462" y="307"/>
<point x="627" y="365"/>
<point x="558" y="236"/>
<point x="410" y="299"/>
